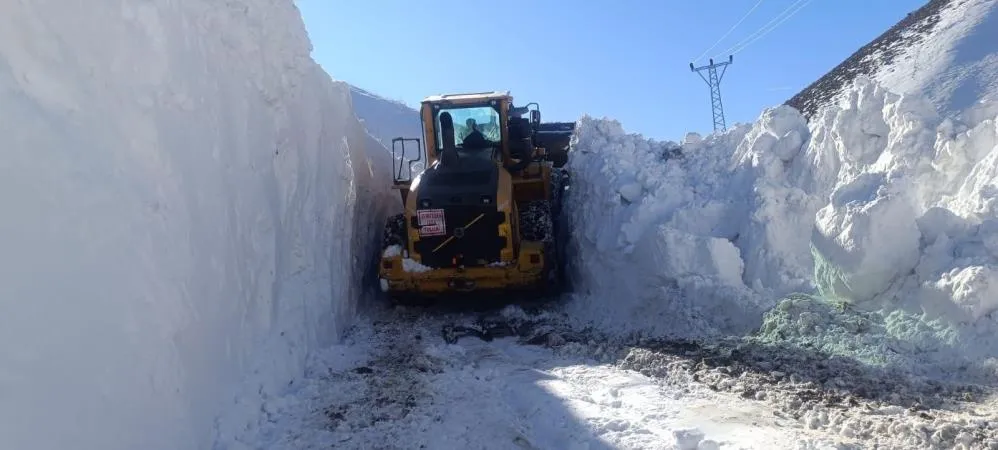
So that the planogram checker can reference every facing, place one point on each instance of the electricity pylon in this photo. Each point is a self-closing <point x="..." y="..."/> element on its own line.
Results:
<point x="713" y="80"/>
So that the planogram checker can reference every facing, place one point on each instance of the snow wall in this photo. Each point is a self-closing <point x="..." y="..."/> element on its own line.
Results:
<point x="387" y="119"/>
<point x="187" y="206"/>
<point x="883" y="210"/>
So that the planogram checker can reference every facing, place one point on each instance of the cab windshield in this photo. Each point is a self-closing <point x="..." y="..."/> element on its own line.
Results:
<point x="468" y="119"/>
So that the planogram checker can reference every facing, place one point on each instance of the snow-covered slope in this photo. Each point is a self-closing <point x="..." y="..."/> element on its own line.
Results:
<point x="880" y="203"/>
<point x="386" y="120"/>
<point x="946" y="51"/>
<point x="187" y="199"/>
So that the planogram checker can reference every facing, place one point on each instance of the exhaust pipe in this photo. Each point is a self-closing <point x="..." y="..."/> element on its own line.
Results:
<point x="449" y="152"/>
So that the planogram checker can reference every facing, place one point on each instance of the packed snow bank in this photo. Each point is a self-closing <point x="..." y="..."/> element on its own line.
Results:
<point x="691" y="239"/>
<point x="187" y="199"/>
<point x="881" y="204"/>
<point x="911" y="225"/>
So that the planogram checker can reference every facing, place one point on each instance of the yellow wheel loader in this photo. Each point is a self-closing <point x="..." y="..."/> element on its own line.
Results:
<point x="484" y="214"/>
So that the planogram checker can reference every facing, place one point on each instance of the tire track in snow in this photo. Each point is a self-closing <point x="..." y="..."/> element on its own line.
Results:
<point x="540" y="390"/>
<point x="391" y="386"/>
<point x="542" y="387"/>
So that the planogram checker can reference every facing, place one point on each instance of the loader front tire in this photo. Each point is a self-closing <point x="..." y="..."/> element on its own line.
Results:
<point x="394" y="232"/>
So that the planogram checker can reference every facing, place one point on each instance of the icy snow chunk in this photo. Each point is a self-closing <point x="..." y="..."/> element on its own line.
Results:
<point x="692" y="139"/>
<point x="681" y="255"/>
<point x="974" y="288"/>
<point x="777" y="137"/>
<point x="410" y="265"/>
<point x="392" y="251"/>
<point x="688" y="438"/>
<point x="514" y="313"/>
<point x="866" y="237"/>
<point x="708" y="444"/>
<point x="630" y="192"/>
<point x="940" y="223"/>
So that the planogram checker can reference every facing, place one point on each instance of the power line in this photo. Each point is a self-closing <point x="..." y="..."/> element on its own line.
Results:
<point x="739" y="22"/>
<point x="772" y="24"/>
<point x="739" y="49"/>
<point x="762" y="28"/>
<point x="713" y="80"/>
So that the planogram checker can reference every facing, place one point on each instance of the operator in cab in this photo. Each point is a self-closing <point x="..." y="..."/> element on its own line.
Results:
<point x="475" y="140"/>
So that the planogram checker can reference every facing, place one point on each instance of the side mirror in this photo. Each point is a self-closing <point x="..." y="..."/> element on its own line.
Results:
<point x="535" y="117"/>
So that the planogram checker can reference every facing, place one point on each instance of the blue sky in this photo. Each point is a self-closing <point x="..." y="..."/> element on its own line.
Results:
<point x="624" y="59"/>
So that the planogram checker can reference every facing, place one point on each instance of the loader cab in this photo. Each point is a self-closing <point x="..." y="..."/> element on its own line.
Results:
<point x="475" y="130"/>
<point x="480" y="126"/>
<point x="484" y="125"/>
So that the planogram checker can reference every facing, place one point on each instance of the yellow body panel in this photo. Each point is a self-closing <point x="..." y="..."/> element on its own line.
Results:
<point x="526" y="271"/>
<point x="533" y="183"/>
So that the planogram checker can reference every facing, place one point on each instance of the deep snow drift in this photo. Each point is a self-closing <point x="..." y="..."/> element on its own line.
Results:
<point x="187" y="199"/>
<point x="881" y="206"/>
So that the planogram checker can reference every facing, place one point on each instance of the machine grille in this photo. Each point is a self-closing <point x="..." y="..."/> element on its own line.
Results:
<point x="462" y="240"/>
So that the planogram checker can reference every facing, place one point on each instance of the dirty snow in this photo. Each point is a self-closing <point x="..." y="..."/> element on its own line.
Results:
<point x="398" y="384"/>
<point x="529" y="380"/>
<point x="188" y="203"/>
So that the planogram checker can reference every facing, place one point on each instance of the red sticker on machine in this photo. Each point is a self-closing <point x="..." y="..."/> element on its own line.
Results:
<point x="431" y="222"/>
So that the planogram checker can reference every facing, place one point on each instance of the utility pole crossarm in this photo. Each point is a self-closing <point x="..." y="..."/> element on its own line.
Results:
<point x="713" y="80"/>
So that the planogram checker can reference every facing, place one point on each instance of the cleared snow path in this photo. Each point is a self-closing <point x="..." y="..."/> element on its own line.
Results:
<point x="394" y="382"/>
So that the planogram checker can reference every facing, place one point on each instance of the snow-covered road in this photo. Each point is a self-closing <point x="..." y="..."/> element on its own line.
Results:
<point x="395" y="382"/>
